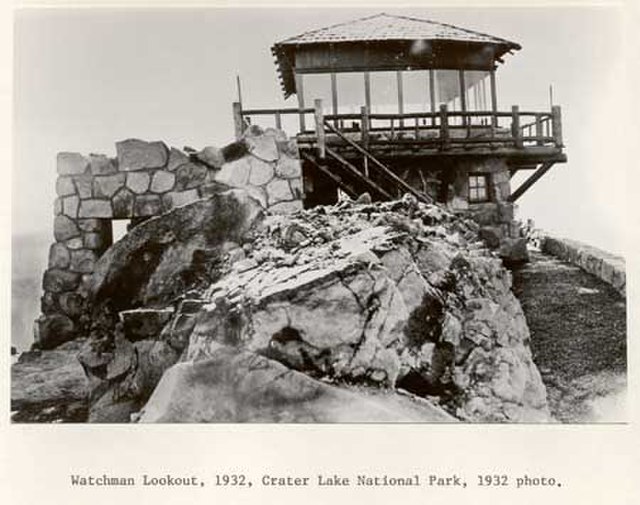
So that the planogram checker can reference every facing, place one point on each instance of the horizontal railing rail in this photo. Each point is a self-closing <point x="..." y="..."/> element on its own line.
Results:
<point x="444" y="128"/>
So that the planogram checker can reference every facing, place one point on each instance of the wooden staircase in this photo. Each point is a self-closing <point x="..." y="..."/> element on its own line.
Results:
<point x="374" y="177"/>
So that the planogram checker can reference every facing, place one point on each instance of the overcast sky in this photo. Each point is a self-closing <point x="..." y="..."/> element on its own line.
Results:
<point x="85" y="79"/>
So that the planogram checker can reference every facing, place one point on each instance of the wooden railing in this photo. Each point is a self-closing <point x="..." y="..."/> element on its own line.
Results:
<point x="445" y="129"/>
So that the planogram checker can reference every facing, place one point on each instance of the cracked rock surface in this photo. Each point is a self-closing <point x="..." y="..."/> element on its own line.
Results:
<point x="387" y="296"/>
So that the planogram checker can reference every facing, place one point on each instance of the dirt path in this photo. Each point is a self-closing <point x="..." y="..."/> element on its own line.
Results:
<point x="578" y="339"/>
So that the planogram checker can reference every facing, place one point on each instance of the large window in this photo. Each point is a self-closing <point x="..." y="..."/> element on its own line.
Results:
<point x="478" y="188"/>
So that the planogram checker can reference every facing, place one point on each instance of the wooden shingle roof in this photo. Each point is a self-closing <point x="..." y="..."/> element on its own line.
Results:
<point x="383" y="26"/>
<point x="379" y="29"/>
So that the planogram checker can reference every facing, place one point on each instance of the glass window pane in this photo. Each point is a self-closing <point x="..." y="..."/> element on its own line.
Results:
<point x="350" y="92"/>
<point x="476" y="83"/>
<point x="447" y="86"/>
<point x="384" y="92"/>
<point x="317" y="86"/>
<point x="416" y="91"/>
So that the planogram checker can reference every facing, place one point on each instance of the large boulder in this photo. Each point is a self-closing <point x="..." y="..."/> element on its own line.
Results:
<point x="236" y="386"/>
<point x="49" y="386"/>
<point x="370" y="294"/>
<point x="155" y="261"/>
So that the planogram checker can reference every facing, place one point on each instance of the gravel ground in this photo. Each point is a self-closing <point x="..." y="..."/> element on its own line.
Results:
<point x="578" y="339"/>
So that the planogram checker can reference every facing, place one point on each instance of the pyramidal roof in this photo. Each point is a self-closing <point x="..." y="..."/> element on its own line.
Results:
<point x="390" y="27"/>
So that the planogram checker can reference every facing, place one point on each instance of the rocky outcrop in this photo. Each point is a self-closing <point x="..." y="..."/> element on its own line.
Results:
<point x="390" y="295"/>
<point x="49" y="386"/>
<point x="239" y="386"/>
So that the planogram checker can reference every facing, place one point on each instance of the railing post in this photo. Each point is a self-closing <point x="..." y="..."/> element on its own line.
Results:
<point x="515" y="126"/>
<point x="364" y="126"/>
<point x="238" y="120"/>
<point x="539" y="132"/>
<point x="444" y="127"/>
<point x="320" y="133"/>
<point x="556" y="123"/>
<point x="278" y="121"/>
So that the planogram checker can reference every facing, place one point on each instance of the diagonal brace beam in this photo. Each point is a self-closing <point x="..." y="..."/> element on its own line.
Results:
<point x="544" y="168"/>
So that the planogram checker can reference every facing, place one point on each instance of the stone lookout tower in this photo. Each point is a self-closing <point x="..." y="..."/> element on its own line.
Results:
<point x="391" y="105"/>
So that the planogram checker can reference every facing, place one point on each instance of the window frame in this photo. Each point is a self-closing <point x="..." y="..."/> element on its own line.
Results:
<point x="486" y="185"/>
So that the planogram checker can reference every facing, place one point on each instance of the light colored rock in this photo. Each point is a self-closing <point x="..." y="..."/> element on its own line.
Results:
<point x="59" y="256"/>
<point x="71" y="164"/>
<point x="243" y="387"/>
<point x="70" y="206"/>
<point x="106" y="186"/>
<point x="138" y="182"/>
<point x="162" y="181"/>
<point x="64" y="228"/>
<point x="179" y="198"/>
<point x="95" y="209"/>
<point x="57" y="206"/>
<point x="212" y="156"/>
<point x="147" y="205"/>
<point x="262" y="145"/>
<point x="278" y="191"/>
<point x="261" y="172"/>
<point x="134" y="154"/>
<point x="65" y="186"/>
<point x="235" y="173"/>
<point x="84" y="185"/>
<point x="176" y="158"/>
<point x="102" y="165"/>
<point x="288" y="168"/>
<point x="74" y="243"/>
<point x="286" y="207"/>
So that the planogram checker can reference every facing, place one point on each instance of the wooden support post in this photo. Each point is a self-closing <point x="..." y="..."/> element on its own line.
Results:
<point x="334" y="94"/>
<point x="367" y="90"/>
<point x="494" y="102"/>
<point x="556" y="123"/>
<point x="539" y="132"/>
<point x="417" y="129"/>
<point x="400" y="96"/>
<point x="238" y="120"/>
<point x="278" y="121"/>
<point x="300" y="95"/>
<point x="516" y="132"/>
<point x="444" y="127"/>
<point x="463" y="97"/>
<point x="320" y="133"/>
<point x="432" y="94"/>
<point x="365" y="126"/>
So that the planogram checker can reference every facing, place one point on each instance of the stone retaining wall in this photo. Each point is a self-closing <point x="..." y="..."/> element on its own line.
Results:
<point x="146" y="179"/>
<point x="606" y="266"/>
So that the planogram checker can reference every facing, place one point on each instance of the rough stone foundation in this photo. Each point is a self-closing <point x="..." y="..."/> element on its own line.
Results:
<point x="146" y="179"/>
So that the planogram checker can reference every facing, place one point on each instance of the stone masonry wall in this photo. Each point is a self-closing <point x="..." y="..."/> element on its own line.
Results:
<point x="606" y="266"/>
<point x="146" y="179"/>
